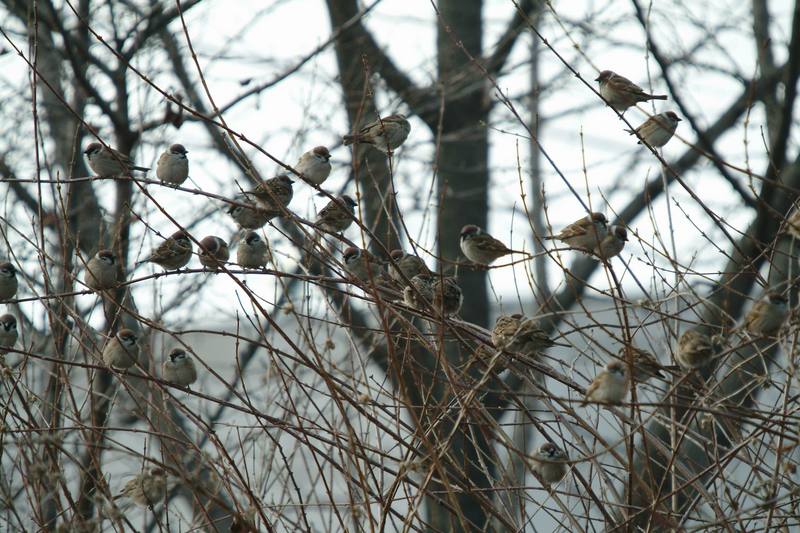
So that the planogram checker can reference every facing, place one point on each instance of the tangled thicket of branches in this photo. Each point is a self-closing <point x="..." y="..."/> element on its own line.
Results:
<point x="325" y="401"/>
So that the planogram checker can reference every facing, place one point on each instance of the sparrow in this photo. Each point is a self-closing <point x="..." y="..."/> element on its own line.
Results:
<point x="405" y="266"/>
<point x="385" y="134"/>
<point x="793" y="223"/>
<point x="549" y="463"/>
<point x="528" y="339"/>
<point x="486" y="353"/>
<point x="337" y="215"/>
<point x="447" y="296"/>
<point x="253" y="251"/>
<point x="8" y="281"/>
<point x="694" y="350"/>
<point x="179" y="368"/>
<point x="146" y="489"/>
<point x="121" y="350"/>
<point x="480" y="247"/>
<point x="361" y="264"/>
<point x="8" y="333"/>
<point x="504" y="329"/>
<point x="314" y="166"/>
<point x="173" y="165"/>
<point x="101" y="271"/>
<point x="584" y="234"/>
<point x="274" y="194"/>
<point x="610" y="385"/>
<point x="613" y="243"/>
<point x="419" y="292"/>
<point x="621" y="93"/>
<point x="767" y="315"/>
<point x="252" y="217"/>
<point x="213" y="252"/>
<point x="658" y="129"/>
<point x="107" y="162"/>
<point x="173" y="253"/>
<point x="645" y="364"/>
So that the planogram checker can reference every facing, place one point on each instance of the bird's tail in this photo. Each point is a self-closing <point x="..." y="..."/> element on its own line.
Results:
<point x="658" y="96"/>
<point x="140" y="169"/>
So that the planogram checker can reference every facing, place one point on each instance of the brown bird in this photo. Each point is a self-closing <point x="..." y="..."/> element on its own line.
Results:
<point x="549" y="463"/>
<point x="101" y="271"/>
<point x="612" y="244"/>
<point x="252" y="217"/>
<point x="645" y="364"/>
<point x="658" y="129"/>
<point x="767" y="315"/>
<point x="405" y="266"/>
<point x="337" y="215"/>
<point x="480" y="247"/>
<point x="610" y="385"/>
<point x="8" y="281"/>
<point x="584" y="234"/>
<point x="386" y="134"/>
<point x="146" y="489"/>
<point x="213" y="252"/>
<point x="173" y="253"/>
<point x="106" y="162"/>
<point x="621" y="93"/>
<point x="694" y="349"/>
<point x="274" y="194"/>
<point x="361" y="264"/>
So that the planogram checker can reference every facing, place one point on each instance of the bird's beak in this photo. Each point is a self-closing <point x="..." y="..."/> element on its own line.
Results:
<point x="597" y="78"/>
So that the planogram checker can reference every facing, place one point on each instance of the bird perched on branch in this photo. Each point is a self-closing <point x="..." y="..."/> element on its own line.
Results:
<point x="213" y="252"/>
<point x="314" y="166"/>
<point x="8" y="281"/>
<point x="480" y="247"/>
<point x="361" y="264"/>
<point x="549" y="463"/>
<point x="121" y="350"/>
<point x="584" y="234"/>
<point x="337" y="215"/>
<point x="173" y="165"/>
<point x="645" y="364"/>
<point x="519" y="334"/>
<point x="767" y="315"/>
<point x="658" y="129"/>
<point x="613" y="243"/>
<point x="610" y="385"/>
<point x="253" y="251"/>
<point x="146" y="489"/>
<point x="695" y="349"/>
<point x="107" y="162"/>
<point x="621" y="93"/>
<point x="405" y="266"/>
<point x="386" y="134"/>
<point x="250" y="217"/>
<point x="8" y="333"/>
<point x="274" y="195"/>
<point x="101" y="271"/>
<point x="173" y="253"/>
<point x="179" y="368"/>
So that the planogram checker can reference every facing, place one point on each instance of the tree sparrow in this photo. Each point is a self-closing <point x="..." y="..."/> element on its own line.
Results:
<point x="361" y="264"/>
<point x="8" y="333"/>
<point x="645" y="364"/>
<point x="419" y="293"/>
<point x="613" y="243"/>
<point x="248" y="217"/>
<point x="314" y="166"/>
<point x="584" y="234"/>
<point x="121" y="350"/>
<point x="658" y="129"/>
<point x="173" y="165"/>
<point x="179" y="368"/>
<point x="106" y="162"/>
<point x="610" y="385"/>
<point x="253" y="251"/>
<point x="621" y="93"/>
<point x="480" y="247"/>
<point x="504" y="329"/>
<point x="405" y="266"/>
<point x="694" y="350"/>
<point x="173" y="253"/>
<point x="146" y="489"/>
<point x="767" y="315"/>
<point x="447" y="296"/>
<point x="274" y="194"/>
<point x="213" y="252"/>
<point x="101" y="271"/>
<point x="385" y="134"/>
<point x="549" y="463"/>
<point x="793" y="222"/>
<point x="8" y="281"/>
<point x="337" y="215"/>
<point x="529" y="338"/>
